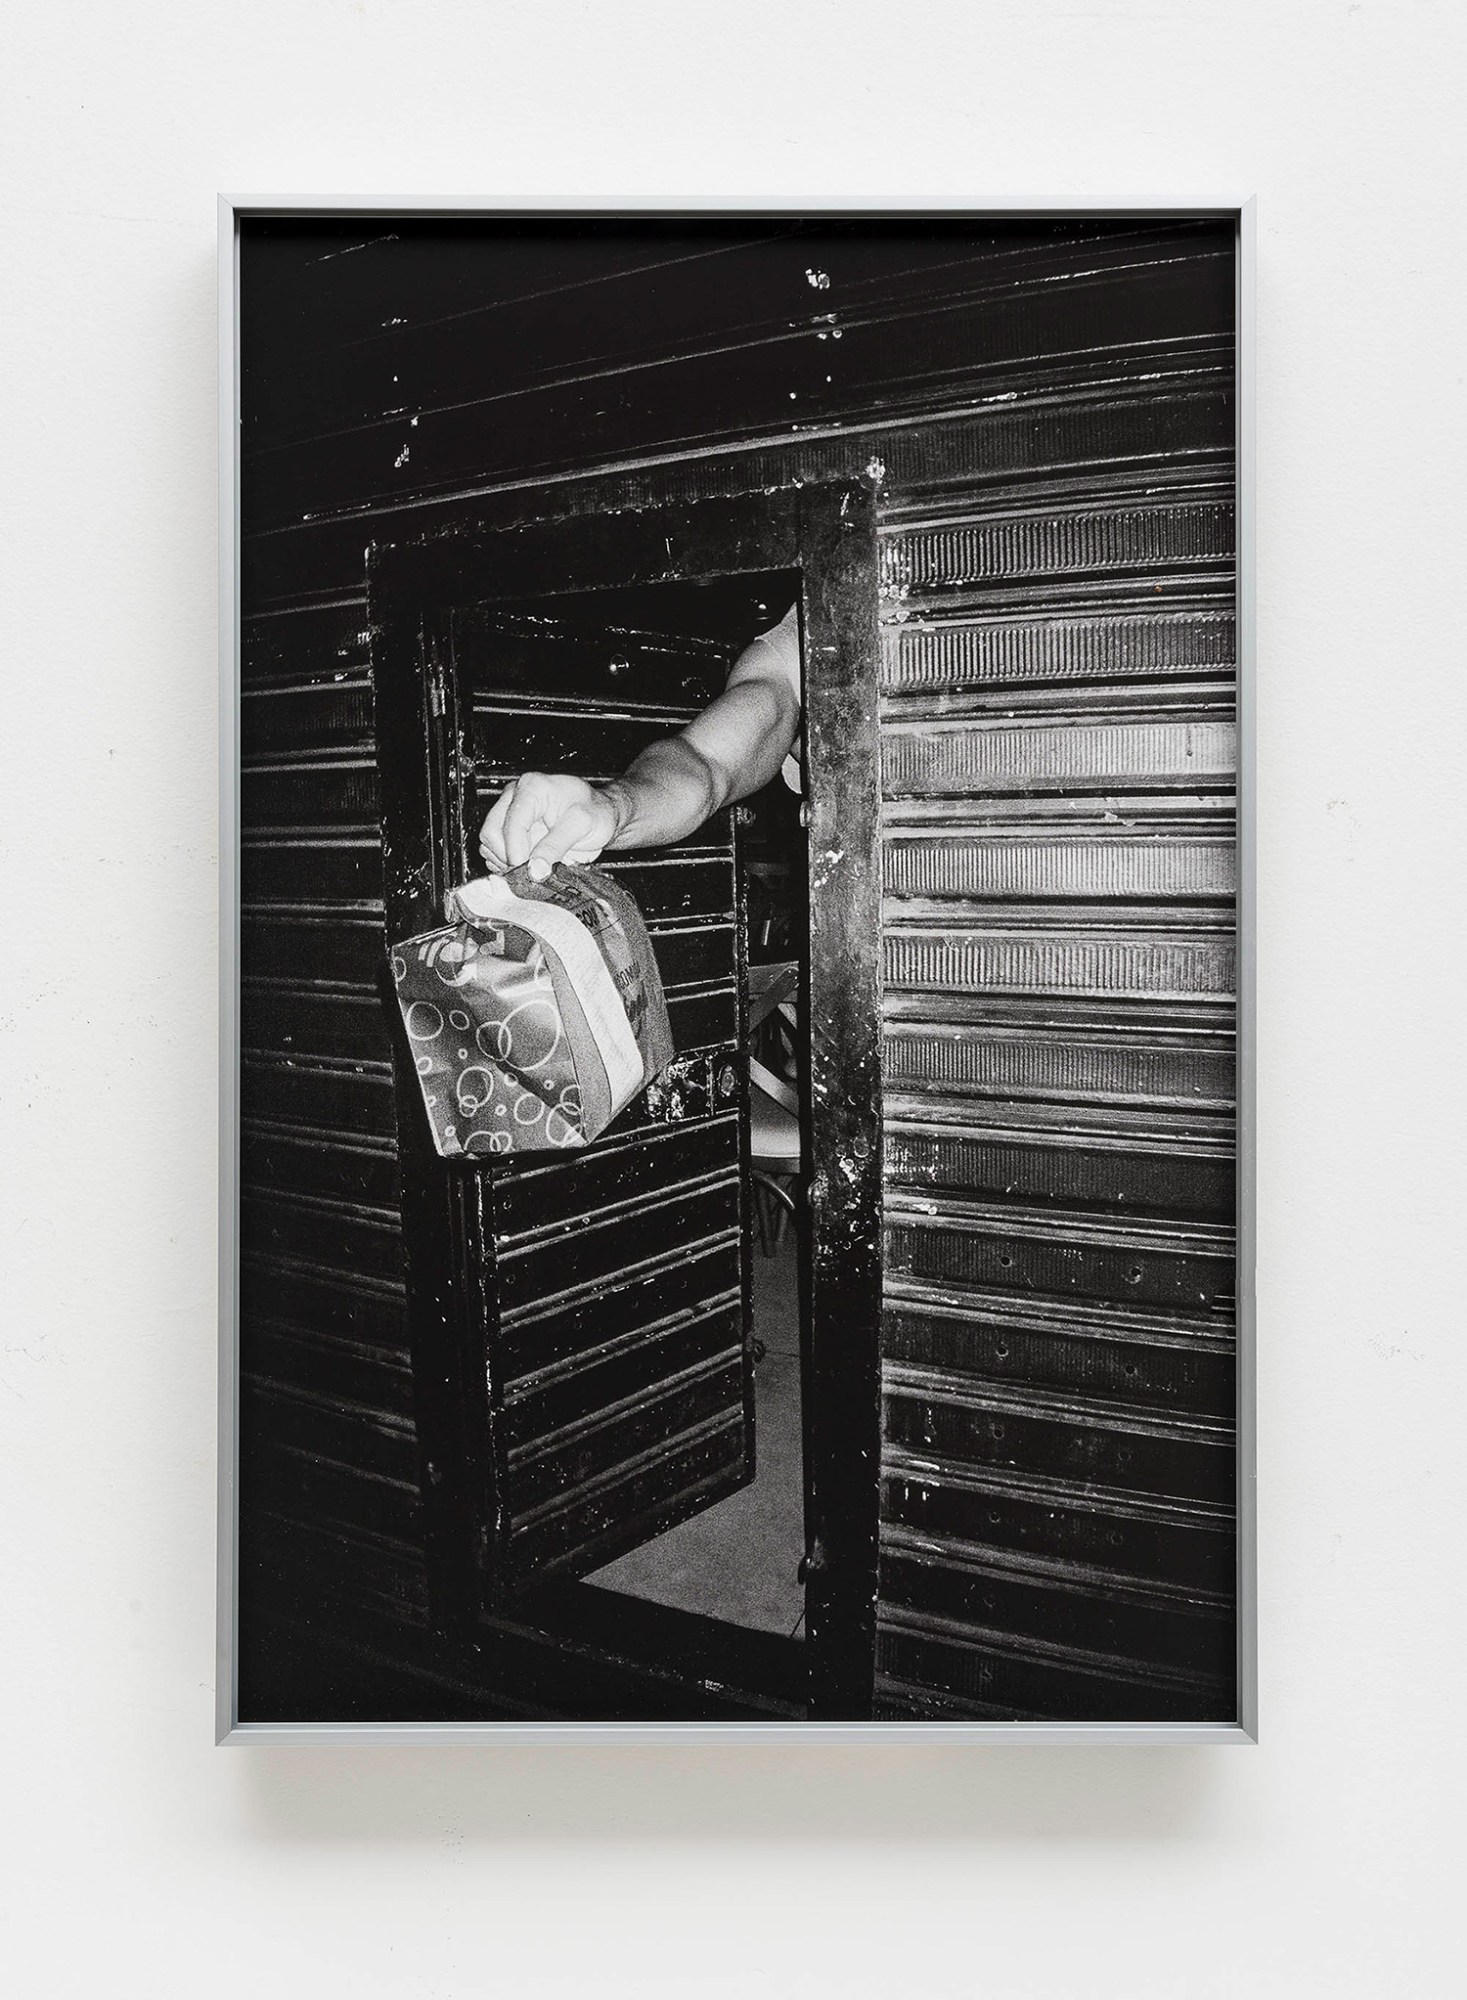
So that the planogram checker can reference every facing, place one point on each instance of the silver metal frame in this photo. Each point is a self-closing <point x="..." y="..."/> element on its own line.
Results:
<point x="232" y="208"/>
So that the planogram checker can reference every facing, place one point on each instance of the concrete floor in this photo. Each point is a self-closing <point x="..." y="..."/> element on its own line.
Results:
<point x="738" y="1560"/>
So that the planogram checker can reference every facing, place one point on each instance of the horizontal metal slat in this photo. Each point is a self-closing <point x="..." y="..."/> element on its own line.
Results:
<point x="894" y="1700"/>
<point x="322" y="868"/>
<point x="310" y="715"/>
<point x="327" y="1303"/>
<point x="299" y="1091"/>
<point x="1051" y="1060"/>
<point x="558" y="1335"/>
<point x="340" y="1165"/>
<point x="546" y="703"/>
<point x="972" y="755"/>
<point x="595" y="747"/>
<point x="548" y="1470"/>
<point x="1034" y="1515"/>
<point x="545" y="1195"/>
<point x="920" y="448"/>
<point x="1178" y="1023"/>
<point x="1027" y="600"/>
<point x="1060" y="919"/>
<point x="331" y="1370"/>
<point x="1088" y="863"/>
<point x="1080" y="1440"/>
<point x="500" y="652"/>
<point x="413" y="346"/>
<point x="1171" y="815"/>
<point x="678" y="887"/>
<point x="376" y="1442"/>
<point x="1125" y="1586"/>
<point x="692" y="954"/>
<point x="790" y="376"/>
<point x="700" y="1019"/>
<point x="1137" y="536"/>
<point x="310" y="1021"/>
<point x="312" y="790"/>
<point x="317" y="1491"/>
<point x="1121" y="1319"/>
<point x="630" y="1503"/>
<point x="1092" y="962"/>
<point x="313" y="640"/>
<point x="1122" y="1128"/>
<point x="1161" y="1365"/>
<point x="1170" y="1629"/>
<point x="342" y="948"/>
<point x="948" y="1241"/>
<point x="956" y="652"/>
<point x="315" y="1559"/>
<point x="602" y="1380"/>
<point x="1077" y="411"/>
<point x="1132" y="1169"/>
<point x="1048" y="707"/>
<point x="332" y="1235"/>
<point x="1018" y="1677"/>
<point x="955" y="1389"/>
<point x="596" y="1253"/>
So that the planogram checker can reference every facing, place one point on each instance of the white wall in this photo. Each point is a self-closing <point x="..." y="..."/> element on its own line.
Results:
<point x="143" y="1860"/>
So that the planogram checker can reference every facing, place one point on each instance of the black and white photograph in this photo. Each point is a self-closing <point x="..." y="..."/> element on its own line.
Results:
<point x="737" y="968"/>
<point x="730" y="1150"/>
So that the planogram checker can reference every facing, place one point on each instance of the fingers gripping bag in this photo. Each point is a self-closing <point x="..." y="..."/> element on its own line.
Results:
<point x="535" y="1015"/>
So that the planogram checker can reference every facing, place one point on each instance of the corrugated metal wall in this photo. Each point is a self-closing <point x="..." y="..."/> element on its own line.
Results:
<point x="1050" y="413"/>
<point x="1058" y="838"/>
<point x="329" y="1457"/>
<point x="619" y="1380"/>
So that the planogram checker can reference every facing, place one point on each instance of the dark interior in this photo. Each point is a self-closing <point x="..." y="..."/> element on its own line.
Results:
<point x="1028" y="1398"/>
<point x="742" y="1560"/>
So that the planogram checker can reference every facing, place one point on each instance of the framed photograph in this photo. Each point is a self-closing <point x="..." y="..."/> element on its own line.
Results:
<point x="737" y="939"/>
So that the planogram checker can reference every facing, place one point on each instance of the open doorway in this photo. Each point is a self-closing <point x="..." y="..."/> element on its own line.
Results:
<point x="743" y="1560"/>
<point x="583" y="1352"/>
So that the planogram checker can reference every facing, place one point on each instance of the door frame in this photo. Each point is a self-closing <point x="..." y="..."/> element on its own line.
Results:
<point x="826" y="532"/>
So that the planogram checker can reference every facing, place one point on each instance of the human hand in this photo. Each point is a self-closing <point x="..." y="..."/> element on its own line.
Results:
<point x="542" y="819"/>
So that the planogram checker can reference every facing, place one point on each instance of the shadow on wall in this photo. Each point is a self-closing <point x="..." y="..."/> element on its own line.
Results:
<point x="759" y="1793"/>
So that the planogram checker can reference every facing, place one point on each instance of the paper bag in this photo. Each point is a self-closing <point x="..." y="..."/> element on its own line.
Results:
<point x="535" y="1015"/>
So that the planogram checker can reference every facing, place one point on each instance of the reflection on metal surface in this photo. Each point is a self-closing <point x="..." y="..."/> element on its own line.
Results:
<point x="1058" y="862"/>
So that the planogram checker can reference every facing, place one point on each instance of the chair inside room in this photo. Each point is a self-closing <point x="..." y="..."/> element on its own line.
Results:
<point x="776" y="1157"/>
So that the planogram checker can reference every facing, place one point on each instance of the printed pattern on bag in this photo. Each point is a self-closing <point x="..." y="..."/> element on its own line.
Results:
<point x="526" y="1035"/>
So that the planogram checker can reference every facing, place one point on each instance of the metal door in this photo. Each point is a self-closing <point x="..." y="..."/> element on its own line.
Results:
<point x="580" y="1324"/>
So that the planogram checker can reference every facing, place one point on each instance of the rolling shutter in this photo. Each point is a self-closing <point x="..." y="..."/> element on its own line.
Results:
<point x="329" y="1453"/>
<point x="604" y="1293"/>
<point x="1058" y="811"/>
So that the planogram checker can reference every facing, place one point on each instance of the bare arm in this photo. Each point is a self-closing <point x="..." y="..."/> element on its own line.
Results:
<point x="736" y="745"/>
